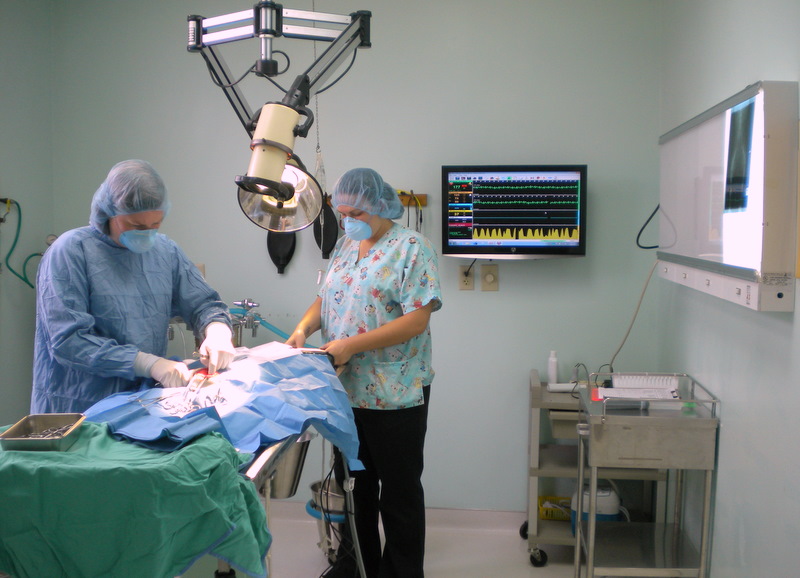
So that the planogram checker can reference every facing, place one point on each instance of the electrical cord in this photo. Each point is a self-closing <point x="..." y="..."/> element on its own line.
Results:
<point x="216" y="82"/>
<point x="321" y="90"/>
<point x="338" y="78"/>
<point x="466" y="273"/>
<point x="633" y="320"/>
<point x="622" y="509"/>
<point x="549" y="504"/>
<point x="576" y="371"/>
<point x="417" y="213"/>
<point x="647" y="222"/>
<point x="232" y="84"/>
<point x="417" y="209"/>
<point x="577" y="378"/>
<point x="346" y="548"/>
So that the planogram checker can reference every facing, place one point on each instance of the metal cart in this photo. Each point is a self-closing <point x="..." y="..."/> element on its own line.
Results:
<point x="678" y="434"/>
<point x="553" y="462"/>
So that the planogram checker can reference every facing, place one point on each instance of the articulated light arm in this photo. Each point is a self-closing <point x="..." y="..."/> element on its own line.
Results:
<point x="223" y="78"/>
<point x="273" y="194"/>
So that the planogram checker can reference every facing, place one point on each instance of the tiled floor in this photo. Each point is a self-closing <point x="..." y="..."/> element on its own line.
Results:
<point x="459" y="544"/>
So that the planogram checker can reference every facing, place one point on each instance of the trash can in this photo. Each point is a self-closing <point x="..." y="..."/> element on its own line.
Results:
<point x="328" y="507"/>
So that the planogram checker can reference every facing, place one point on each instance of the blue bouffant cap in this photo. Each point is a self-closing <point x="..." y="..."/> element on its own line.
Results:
<point x="131" y="186"/>
<point x="364" y="189"/>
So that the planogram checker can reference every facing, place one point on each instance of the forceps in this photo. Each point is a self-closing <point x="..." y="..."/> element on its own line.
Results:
<point x="198" y="381"/>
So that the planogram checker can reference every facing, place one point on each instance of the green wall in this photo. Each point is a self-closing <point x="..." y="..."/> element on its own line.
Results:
<point x="444" y="83"/>
<point x="87" y="83"/>
<point x="711" y="50"/>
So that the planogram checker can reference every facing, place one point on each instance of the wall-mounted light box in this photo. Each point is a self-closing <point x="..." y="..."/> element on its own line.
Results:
<point x="728" y="199"/>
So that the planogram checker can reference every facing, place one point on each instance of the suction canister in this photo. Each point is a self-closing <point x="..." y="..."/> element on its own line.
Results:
<point x="607" y="504"/>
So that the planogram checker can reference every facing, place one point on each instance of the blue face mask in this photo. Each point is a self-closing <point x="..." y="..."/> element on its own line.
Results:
<point x="138" y="241"/>
<point x="357" y="230"/>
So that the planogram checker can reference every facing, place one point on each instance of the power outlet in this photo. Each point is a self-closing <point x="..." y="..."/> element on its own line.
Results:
<point x="466" y="278"/>
<point x="490" y="279"/>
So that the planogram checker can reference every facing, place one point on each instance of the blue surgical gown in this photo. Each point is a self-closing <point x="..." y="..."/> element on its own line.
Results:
<point x="99" y="304"/>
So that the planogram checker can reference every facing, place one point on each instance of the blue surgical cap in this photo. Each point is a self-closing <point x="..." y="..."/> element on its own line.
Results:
<point x="364" y="189"/>
<point x="131" y="186"/>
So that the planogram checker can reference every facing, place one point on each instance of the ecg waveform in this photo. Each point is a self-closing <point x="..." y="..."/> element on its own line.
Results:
<point x="524" y="201"/>
<point x="535" y="234"/>
<point x="523" y="211"/>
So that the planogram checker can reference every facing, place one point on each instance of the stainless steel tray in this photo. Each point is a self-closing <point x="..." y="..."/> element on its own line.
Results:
<point x="43" y="431"/>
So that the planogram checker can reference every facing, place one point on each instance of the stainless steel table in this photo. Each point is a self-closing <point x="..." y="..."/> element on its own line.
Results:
<point x="679" y="435"/>
<point x="553" y="459"/>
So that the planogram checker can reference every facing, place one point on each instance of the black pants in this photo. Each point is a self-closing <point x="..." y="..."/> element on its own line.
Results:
<point x="391" y="449"/>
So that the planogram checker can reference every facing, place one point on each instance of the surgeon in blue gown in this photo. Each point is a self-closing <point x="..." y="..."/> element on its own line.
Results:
<point x="106" y="293"/>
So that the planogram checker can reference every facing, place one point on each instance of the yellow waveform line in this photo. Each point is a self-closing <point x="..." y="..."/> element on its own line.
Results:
<point x="526" y="234"/>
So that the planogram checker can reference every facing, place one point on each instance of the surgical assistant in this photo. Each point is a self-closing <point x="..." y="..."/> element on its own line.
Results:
<point x="374" y="309"/>
<point x="106" y="293"/>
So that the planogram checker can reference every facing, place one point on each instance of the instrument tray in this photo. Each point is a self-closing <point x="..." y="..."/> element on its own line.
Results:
<point x="44" y="431"/>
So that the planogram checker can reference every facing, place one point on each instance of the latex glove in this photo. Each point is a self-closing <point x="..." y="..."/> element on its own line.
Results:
<point x="170" y="373"/>
<point x="217" y="352"/>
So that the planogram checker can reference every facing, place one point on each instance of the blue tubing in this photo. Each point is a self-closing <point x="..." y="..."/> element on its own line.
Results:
<point x="268" y="325"/>
<point x="315" y="512"/>
<point x="274" y="329"/>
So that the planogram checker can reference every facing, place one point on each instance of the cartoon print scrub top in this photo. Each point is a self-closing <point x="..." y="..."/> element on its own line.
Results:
<point x="398" y="275"/>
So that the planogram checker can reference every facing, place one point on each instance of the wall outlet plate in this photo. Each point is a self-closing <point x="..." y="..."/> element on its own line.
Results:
<point x="466" y="278"/>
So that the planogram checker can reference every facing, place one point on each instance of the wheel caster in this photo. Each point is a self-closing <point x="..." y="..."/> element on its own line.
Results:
<point x="523" y="530"/>
<point x="538" y="558"/>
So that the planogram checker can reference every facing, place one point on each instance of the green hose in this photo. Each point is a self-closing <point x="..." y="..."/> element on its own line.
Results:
<point x="24" y="276"/>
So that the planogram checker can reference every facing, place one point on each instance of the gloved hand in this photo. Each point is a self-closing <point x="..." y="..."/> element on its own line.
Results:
<point x="170" y="373"/>
<point x="217" y="352"/>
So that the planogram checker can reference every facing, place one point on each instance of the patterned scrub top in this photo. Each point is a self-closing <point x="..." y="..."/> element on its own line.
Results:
<point x="399" y="274"/>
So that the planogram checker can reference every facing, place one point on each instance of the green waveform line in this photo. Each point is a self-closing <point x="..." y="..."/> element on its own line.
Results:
<point x="502" y="186"/>
<point x="492" y="202"/>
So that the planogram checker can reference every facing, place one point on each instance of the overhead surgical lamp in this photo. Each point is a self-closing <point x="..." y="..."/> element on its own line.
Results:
<point x="289" y="205"/>
<point x="277" y="193"/>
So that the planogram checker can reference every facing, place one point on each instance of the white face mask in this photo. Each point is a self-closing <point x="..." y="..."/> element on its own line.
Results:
<point x="356" y="230"/>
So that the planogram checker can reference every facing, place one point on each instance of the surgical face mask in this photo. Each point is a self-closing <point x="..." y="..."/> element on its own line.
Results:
<point x="137" y="240"/>
<point x="357" y="230"/>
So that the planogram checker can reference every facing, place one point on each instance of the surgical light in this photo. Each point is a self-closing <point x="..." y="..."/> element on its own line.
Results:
<point x="271" y="209"/>
<point x="274" y="195"/>
<point x="272" y="146"/>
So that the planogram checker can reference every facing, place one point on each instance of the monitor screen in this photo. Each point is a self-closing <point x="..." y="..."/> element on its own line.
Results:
<point x="514" y="212"/>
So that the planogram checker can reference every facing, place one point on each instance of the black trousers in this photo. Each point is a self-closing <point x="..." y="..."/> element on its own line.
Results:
<point x="391" y="449"/>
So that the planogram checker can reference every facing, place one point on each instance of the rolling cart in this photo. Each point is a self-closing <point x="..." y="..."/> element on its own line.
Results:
<point x="553" y="461"/>
<point x="675" y="434"/>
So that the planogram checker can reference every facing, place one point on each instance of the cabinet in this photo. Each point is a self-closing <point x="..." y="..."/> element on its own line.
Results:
<point x="553" y="458"/>
<point x="677" y="435"/>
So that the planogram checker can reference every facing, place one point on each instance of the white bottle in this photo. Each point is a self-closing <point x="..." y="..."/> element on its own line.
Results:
<point x="552" y="368"/>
